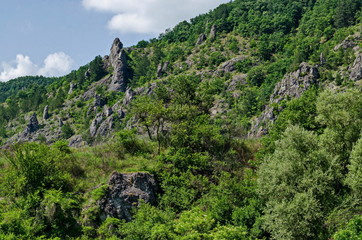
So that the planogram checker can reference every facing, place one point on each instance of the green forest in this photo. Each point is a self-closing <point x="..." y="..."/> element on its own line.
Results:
<point x="249" y="118"/>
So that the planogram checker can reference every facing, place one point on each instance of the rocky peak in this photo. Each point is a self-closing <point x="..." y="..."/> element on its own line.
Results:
<point x="116" y="49"/>
<point x="118" y="61"/>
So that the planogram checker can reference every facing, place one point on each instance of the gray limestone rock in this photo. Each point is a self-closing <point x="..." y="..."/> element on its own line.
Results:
<point x="118" y="60"/>
<point x="71" y="88"/>
<point x="77" y="141"/>
<point x="201" y="39"/>
<point x="124" y="194"/>
<point x="32" y="125"/>
<point x="356" y="69"/>
<point x="108" y="111"/>
<point x="213" y="31"/>
<point x="128" y="96"/>
<point x="349" y="42"/>
<point x="105" y="127"/>
<point x="162" y="69"/>
<point x="230" y="66"/>
<point x="95" y="124"/>
<point x="46" y="112"/>
<point x="291" y="86"/>
<point x="99" y="101"/>
<point x="295" y="83"/>
<point x="236" y="81"/>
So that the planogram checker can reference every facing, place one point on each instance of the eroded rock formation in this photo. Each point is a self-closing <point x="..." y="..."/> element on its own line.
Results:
<point x="125" y="192"/>
<point x="291" y="86"/>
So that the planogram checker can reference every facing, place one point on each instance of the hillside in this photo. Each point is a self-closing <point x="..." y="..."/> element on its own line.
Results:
<point x="242" y="123"/>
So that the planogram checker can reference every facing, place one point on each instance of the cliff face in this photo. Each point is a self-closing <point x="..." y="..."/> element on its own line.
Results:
<point x="291" y="86"/>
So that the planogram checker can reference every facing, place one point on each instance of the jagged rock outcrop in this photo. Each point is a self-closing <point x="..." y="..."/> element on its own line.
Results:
<point x="212" y="35"/>
<point x="162" y="69"/>
<point x="220" y="107"/>
<point x="108" y="111"/>
<point x="71" y="88"/>
<point x="118" y="61"/>
<point x="119" y="109"/>
<point x="149" y="90"/>
<point x="32" y="125"/>
<point x="125" y="192"/>
<point x="236" y="81"/>
<point x="230" y="66"/>
<point x="291" y="86"/>
<point x="104" y="122"/>
<point x="46" y="113"/>
<point x="77" y="141"/>
<point x="106" y="126"/>
<point x="95" y="124"/>
<point x="128" y="96"/>
<point x="349" y="42"/>
<point x="356" y="69"/>
<point x="99" y="101"/>
<point x="201" y="39"/>
<point x="295" y="83"/>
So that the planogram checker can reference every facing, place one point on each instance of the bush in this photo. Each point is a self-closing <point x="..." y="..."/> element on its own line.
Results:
<point x="34" y="167"/>
<point x="353" y="230"/>
<point x="67" y="131"/>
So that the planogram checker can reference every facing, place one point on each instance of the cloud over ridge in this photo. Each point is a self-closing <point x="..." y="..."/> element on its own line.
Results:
<point x="56" y="64"/>
<point x="149" y="16"/>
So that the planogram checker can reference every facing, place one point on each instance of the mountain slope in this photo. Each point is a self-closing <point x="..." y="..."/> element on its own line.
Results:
<point x="248" y="117"/>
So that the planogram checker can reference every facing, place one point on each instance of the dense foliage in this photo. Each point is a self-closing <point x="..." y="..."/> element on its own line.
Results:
<point x="189" y="128"/>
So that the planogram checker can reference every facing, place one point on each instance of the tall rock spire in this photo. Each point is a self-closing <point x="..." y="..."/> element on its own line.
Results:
<point x="118" y="61"/>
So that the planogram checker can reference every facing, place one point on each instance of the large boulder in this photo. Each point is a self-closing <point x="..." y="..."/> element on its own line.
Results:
<point x="125" y="192"/>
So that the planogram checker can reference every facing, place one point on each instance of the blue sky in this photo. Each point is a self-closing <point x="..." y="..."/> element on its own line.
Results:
<point x="53" y="37"/>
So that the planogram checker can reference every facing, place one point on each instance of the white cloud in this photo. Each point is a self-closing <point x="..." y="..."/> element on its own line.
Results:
<point x="55" y="64"/>
<point x="150" y="16"/>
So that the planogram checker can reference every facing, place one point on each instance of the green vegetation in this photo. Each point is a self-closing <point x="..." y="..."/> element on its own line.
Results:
<point x="188" y="124"/>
